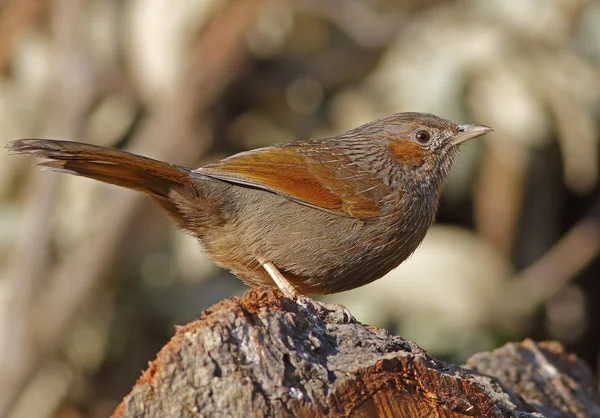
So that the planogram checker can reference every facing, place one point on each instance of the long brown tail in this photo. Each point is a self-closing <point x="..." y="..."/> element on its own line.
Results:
<point x="153" y="177"/>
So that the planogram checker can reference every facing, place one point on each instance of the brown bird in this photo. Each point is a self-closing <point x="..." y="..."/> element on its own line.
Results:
<point x="313" y="217"/>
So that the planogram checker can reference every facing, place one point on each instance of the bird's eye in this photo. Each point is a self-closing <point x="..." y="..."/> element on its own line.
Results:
<point x="422" y="137"/>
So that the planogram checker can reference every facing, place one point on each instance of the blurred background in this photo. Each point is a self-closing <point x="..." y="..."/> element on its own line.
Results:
<point x="94" y="279"/>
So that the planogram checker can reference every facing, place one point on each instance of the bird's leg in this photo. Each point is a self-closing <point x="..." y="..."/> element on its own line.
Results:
<point x="288" y="290"/>
<point x="282" y="283"/>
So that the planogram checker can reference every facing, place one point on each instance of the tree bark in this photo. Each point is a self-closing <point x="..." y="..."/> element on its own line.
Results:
<point x="267" y="356"/>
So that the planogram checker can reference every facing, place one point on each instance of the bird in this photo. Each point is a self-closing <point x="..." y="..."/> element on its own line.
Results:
<point x="310" y="217"/>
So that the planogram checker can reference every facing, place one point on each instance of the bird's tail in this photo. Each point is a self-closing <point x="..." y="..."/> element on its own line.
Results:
<point x="125" y="169"/>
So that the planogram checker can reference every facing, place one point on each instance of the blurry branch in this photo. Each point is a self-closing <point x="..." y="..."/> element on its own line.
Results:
<point x="502" y="179"/>
<point x="217" y="57"/>
<point x="219" y="54"/>
<point x="578" y="138"/>
<point x="574" y="252"/>
<point x="15" y="16"/>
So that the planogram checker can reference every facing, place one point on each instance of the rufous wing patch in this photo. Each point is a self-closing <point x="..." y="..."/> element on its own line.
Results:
<point x="285" y="171"/>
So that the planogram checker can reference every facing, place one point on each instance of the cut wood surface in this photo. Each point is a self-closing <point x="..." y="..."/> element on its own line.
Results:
<point x="264" y="355"/>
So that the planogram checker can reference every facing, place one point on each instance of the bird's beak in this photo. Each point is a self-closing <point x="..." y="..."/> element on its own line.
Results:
<point x="466" y="132"/>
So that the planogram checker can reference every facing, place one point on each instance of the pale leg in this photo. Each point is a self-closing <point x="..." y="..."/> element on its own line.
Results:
<point x="288" y="290"/>
<point x="282" y="283"/>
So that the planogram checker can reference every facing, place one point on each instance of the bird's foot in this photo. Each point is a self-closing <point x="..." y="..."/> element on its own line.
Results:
<point x="337" y="313"/>
<point x="340" y="313"/>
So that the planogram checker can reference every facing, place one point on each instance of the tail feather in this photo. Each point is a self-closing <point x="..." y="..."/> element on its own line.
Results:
<point x="105" y="164"/>
<point x="121" y="168"/>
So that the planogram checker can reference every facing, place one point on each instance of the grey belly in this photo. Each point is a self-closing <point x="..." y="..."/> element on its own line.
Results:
<point x="314" y="248"/>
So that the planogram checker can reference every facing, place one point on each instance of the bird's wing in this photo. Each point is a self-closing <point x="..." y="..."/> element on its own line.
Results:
<point x="311" y="177"/>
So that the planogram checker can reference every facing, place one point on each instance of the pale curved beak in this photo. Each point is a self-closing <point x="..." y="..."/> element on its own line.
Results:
<point x="466" y="132"/>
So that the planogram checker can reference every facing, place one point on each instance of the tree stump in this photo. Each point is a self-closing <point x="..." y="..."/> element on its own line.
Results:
<point x="264" y="355"/>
